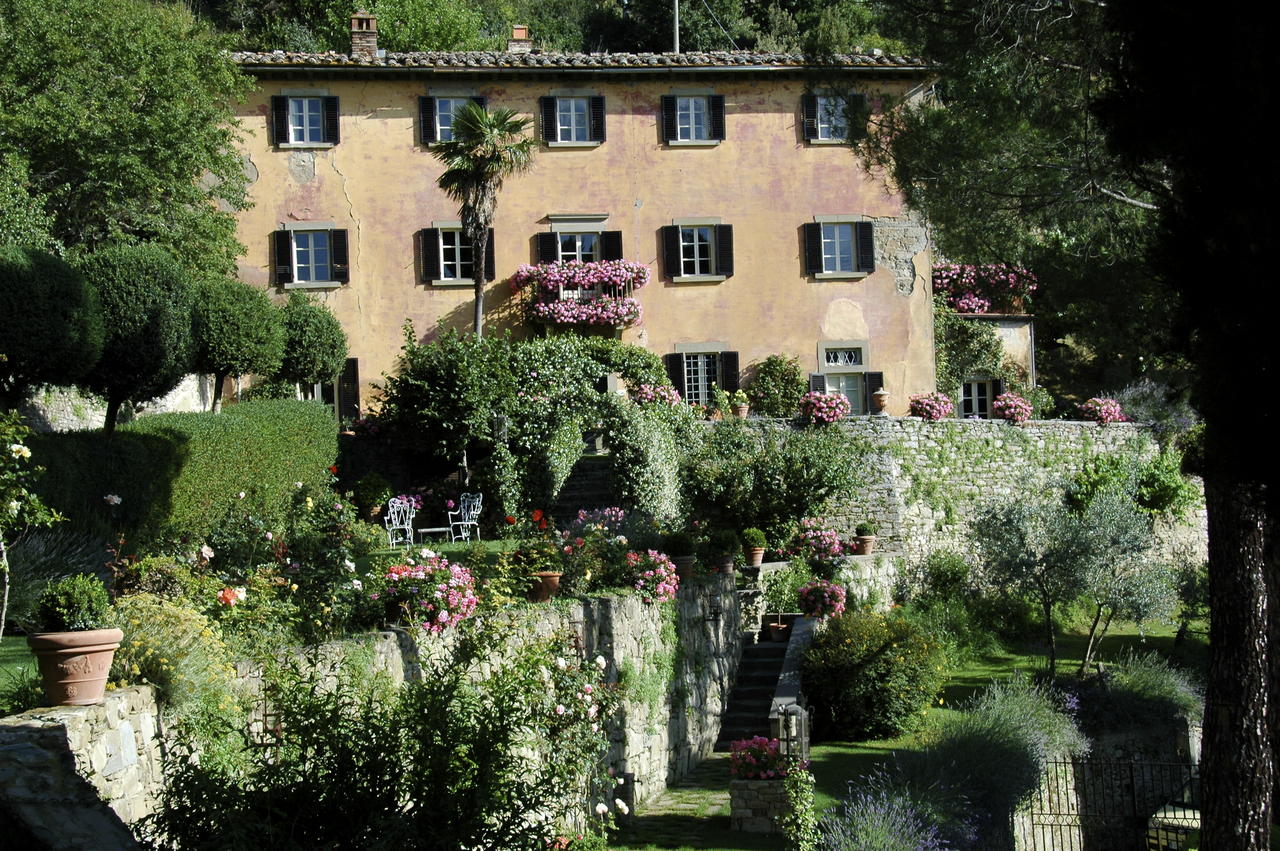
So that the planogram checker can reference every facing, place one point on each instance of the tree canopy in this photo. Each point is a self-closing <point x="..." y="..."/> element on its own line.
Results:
<point x="236" y="330"/>
<point x="315" y="346"/>
<point x="117" y="117"/>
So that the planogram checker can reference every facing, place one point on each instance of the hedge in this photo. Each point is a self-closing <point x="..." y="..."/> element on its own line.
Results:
<point x="178" y="474"/>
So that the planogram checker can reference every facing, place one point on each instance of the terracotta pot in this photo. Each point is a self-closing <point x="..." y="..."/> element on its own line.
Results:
<point x="741" y="411"/>
<point x="726" y="563"/>
<point x="779" y="631"/>
<point x="684" y="566"/>
<point x="755" y="555"/>
<point x="866" y="544"/>
<point x="544" y="585"/>
<point x="74" y="665"/>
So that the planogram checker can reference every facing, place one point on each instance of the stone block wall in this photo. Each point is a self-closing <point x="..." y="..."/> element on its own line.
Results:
<point x="74" y="777"/>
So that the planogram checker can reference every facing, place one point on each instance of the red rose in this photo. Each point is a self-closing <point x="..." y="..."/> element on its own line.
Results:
<point x="537" y="515"/>
<point x="511" y="521"/>
<point x="334" y="469"/>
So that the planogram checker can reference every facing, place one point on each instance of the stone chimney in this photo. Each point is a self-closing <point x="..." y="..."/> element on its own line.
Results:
<point x="364" y="35"/>
<point x="519" y="41"/>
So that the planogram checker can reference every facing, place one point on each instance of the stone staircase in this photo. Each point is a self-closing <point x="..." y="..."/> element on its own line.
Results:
<point x="747" y="712"/>
<point x="590" y="485"/>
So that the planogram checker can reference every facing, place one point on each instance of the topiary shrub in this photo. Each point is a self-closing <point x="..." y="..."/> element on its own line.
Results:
<point x="73" y="603"/>
<point x="871" y="676"/>
<point x="777" y="387"/>
<point x="236" y="330"/>
<point x="315" y="346"/>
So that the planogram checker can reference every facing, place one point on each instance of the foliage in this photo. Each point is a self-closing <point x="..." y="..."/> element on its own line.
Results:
<point x="1165" y="408"/>
<point x="1102" y="411"/>
<point x="758" y="758"/>
<point x="970" y="288"/>
<point x="176" y="649"/>
<point x="799" y="824"/>
<point x="1157" y="485"/>
<point x="931" y="406"/>
<point x="635" y="364"/>
<point x="964" y="348"/>
<point x="649" y="394"/>
<point x="821" y="599"/>
<point x="880" y="815"/>
<point x="486" y="148"/>
<point x="23" y="219"/>
<point x="604" y="290"/>
<point x="107" y="73"/>
<point x="50" y="323"/>
<point x="717" y="25"/>
<point x="450" y="761"/>
<point x="781" y="588"/>
<point x="372" y="492"/>
<point x="1012" y="407"/>
<point x="146" y="300"/>
<point x="236" y="330"/>
<point x="20" y="689"/>
<point x="777" y="387"/>
<point x="315" y="346"/>
<point x="177" y="475"/>
<point x="824" y="408"/>
<point x="753" y="537"/>
<point x="648" y="444"/>
<point x="818" y="544"/>
<point x="39" y="556"/>
<point x="72" y="603"/>
<point x="871" y="675"/>
<point x="440" y="593"/>
<point x="1144" y="688"/>
<point x="768" y="477"/>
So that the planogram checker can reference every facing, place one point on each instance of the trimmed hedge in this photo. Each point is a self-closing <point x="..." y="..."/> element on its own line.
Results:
<point x="178" y="474"/>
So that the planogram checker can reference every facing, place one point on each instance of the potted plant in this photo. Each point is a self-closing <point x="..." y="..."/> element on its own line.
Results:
<point x="74" y="646"/>
<point x="679" y="546"/>
<point x="741" y="407"/>
<point x="753" y="544"/>
<point x="780" y="595"/>
<point x="723" y="546"/>
<point x="866" y="537"/>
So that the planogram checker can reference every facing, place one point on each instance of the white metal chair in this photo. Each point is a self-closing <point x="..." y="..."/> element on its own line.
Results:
<point x="399" y="522"/>
<point x="466" y="518"/>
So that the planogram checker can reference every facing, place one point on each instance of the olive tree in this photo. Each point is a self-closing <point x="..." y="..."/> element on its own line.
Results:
<point x="237" y="330"/>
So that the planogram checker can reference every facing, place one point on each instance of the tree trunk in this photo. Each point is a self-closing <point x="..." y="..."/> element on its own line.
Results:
<point x="215" y="403"/>
<point x="1088" y="649"/>
<point x="113" y="410"/>
<point x="1053" y="646"/>
<point x="1236" y="770"/>
<point x="4" y="578"/>
<point x="479" y="249"/>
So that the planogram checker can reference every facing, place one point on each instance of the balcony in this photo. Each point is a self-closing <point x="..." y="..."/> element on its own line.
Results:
<point x="575" y="293"/>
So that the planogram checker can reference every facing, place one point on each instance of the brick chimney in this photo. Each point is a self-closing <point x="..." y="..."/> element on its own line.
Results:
<point x="519" y="41"/>
<point x="364" y="35"/>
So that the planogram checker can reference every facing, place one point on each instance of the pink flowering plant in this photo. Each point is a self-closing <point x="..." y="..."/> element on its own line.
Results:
<point x="570" y="292"/>
<point x="822" y="598"/>
<point x="656" y="394"/>
<point x="1102" y="410"/>
<point x="817" y="543"/>
<point x="823" y="408"/>
<point x="931" y="406"/>
<point x="654" y="576"/>
<point x="984" y="288"/>
<point x="594" y="550"/>
<point x="1012" y="407"/>
<point x="432" y="591"/>
<point x="759" y="758"/>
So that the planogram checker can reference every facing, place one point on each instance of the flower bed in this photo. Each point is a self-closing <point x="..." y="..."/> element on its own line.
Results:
<point x="433" y="592"/>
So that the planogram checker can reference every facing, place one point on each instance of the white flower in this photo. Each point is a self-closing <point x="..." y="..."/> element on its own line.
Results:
<point x="298" y="485"/>
<point x="19" y="451"/>
<point x="601" y="663"/>
<point x="240" y="495"/>
<point x="621" y="806"/>
<point x="621" y="781"/>
<point x="14" y="506"/>
<point x="601" y="809"/>
<point x="207" y="552"/>
<point x="349" y="565"/>
<point x="561" y="663"/>
<point x="112" y="499"/>
<point x="240" y="594"/>
<point x="357" y="584"/>
<point x="425" y="553"/>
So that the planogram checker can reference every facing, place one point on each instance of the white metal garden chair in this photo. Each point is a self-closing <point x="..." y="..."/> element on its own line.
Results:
<point x="399" y="521"/>
<point x="467" y="518"/>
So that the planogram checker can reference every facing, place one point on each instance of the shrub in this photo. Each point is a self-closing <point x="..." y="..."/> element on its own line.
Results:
<point x="821" y="599"/>
<point x="654" y="576"/>
<point x="777" y="387"/>
<point x="819" y="545"/>
<point x="871" y="676"/>
<point x="20" y="689"/>
<point x="433" y="592"/>
<point x="1012" y="407"/>
<point x="1101" y="411"/>
<point x="372" y="491"/>
<point x="1165" y="408"/>
<point x="1144" y="688"/>
<point x="824" y="408"/>
<point x="179" y="474"/>
<point x="44" y="555"/>
<point x="753" y="537"/>
<point x="1162" y="489"/>
<point x="931" y="406"/>
<point x="73" y="603"/>
<point x="782" y="587"/>
<point x="236" y="330"/>
<point x="315" y="346"/>
<point x="879" y="815"/>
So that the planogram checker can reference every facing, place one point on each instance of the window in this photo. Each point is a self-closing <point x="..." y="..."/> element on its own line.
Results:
<point x="583" y="247"/>
<point x="436" y="115"/>
<point x="697" y="374"/>
<point x="448" y="257"/>
<point x="839" y="247"/>
<point x="693" y="119"/>
<point x="304" y="120"/>
<point x="310" y="254"/>
<point x="578" y="237"/>
<point x="976" y="396"/>
<point x="851" y="386"/>
<point x="825" y="117"/>
<point x="698" y="250"/>
<point x="842" y="369"/>
<point x="572" y="119"/>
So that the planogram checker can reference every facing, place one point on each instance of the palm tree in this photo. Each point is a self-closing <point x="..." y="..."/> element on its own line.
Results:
<point x="487" y="147"/>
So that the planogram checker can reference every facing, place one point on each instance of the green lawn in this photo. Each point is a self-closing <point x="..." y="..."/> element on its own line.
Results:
<point x="14" y="654"/>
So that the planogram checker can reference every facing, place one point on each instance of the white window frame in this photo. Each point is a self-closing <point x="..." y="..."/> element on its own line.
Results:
<point x="296" y="228"/>
<point x="697" y="251"/>
<point x="574" y="124"/>
<point x="970" y="407"/>
<point x="301" y="133"/>
<point x="444" y="116"/>
<point x="454" y="244"/>
<point x="688" y="110"/>
<point x="583" y="246"/>
<point x="839" y="254"/>
<point x="832" y="123"/>
<point x="841" y="221"/>
<point x="702" y="376"/>
<point x="845" y="369"/>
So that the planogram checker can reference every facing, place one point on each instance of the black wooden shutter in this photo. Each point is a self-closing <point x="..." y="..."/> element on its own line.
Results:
<point x="729" y="371"/>
<point x="338" y="256"/>
<point x="479" y="100"/>
<point x="331" y="134"/>
<point x="671" y="251"/>
<point x="812" y="248"/>
<point x="427" y="120"/>
<point x="809" y="116"/>
<point x="597" y="118"/>
<point x="997" y="387"/>
<point x="550" y="127"/>
<point x="611" y="245"/>
<point x="716" y="108"/>
<point x="864" y="235"/>
<point x="548" y="246"/>
<point x="675" y="371"/>
<point x="490" y="267"/>
<point x="348" y="398"/>
<point x="871" y="382"/>
<point x="724" y="250"/>
<point x="430" y="243"/>
<point x="283" y="245"/>
<point x="669" y="132"/>
<point x="280" y="119"/>
<point x="817" y="382"/>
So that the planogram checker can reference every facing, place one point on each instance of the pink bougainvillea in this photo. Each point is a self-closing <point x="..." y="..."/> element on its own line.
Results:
<point x="659" y="393"/>
<point x="981" y="288"/>
<point x="1102" y="410"/>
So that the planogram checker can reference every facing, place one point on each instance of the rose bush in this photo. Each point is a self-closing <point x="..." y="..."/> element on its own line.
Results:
<point x="1012" y="407"/>
<point x="824" y="407"/>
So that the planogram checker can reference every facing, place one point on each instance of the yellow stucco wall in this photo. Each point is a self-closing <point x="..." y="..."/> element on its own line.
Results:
<point x="380" y="184"/>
